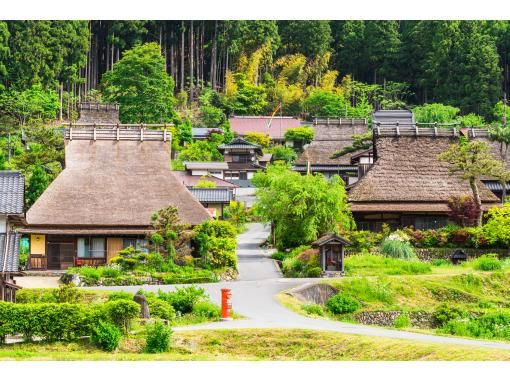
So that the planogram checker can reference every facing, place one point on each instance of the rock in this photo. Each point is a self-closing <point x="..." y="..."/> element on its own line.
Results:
<point x="71" y="278"/>
<point x="313" y="293"/>
<point x="144" y="306"/>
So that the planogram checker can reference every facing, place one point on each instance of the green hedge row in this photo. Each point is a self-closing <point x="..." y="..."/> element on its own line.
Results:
<point x="63" y="321"/>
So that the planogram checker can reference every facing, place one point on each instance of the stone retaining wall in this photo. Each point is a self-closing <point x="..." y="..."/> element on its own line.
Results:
<point x="429" y="254"/>
<point x="313" y="293"/>
<point x="420" y="319"/>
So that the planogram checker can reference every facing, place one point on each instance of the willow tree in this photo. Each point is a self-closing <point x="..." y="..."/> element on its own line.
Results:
<point x="472" y="160"/>
<point x="300" y="208"/>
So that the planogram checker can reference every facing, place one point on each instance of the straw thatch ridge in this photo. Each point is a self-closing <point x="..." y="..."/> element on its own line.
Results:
<point x="114" y="183"/>
<point x="409" y="173"/>
<point x="330" y="139"/>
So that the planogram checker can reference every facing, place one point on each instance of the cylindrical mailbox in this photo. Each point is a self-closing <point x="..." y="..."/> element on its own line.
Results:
<point x="226" y="305"/>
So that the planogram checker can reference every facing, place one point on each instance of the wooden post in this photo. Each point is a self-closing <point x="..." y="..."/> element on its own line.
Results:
<point x="342" y="266"/>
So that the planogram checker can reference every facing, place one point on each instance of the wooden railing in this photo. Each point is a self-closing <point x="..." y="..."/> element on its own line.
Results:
<point x="339" y="121"/>
<point x="97" y="106"/>
<point x="36" y="262"/>
<point x="416" y="130"/>
<point x="89" y="261"/>
<point x="138" y="134"/>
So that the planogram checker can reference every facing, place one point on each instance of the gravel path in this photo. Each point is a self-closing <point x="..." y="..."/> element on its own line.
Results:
<point x="253" y="296"/>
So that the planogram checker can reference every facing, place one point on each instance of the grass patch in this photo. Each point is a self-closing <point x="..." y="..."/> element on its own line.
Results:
<point x="376" y="265"/>
<point x="258" y="344"/>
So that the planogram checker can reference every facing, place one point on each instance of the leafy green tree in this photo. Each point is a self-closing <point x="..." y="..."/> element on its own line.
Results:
<point x="283" y="153"/>
<point x="300" y="208"/>
<point x="185" y="132"/>
<point x="435" y="113"/>
<point x="37" y="183"/>
<point x="303" y="135"/>
<point x="248" y="99"/>
<point x="203" y="183"/>
<point x="350" y="48"/>
<point x="322" y="103"/>
<point x="140" y="84"/>
<point x="247" y="36"/>
<point x="471" y="120"/>
<point x="258" y="138"/>
<point x="497" y="228"/>
<point x="169" y="233"/>
<point x="201" y="151"/>
<point x="31" y="103"/>
<point x="472" y="160"/>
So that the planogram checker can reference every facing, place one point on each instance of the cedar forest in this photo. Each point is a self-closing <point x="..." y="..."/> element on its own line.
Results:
<point x="197" y="73"/>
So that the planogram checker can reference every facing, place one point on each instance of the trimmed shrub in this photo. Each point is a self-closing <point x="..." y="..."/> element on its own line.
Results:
<point x="313" y="309"/>
<point x="106" y="336"/>
<point x="314" y="272"/>
<point x="207" y="310"/>
<point x="183" y="299"/>
<point x="121" y="312"/>
<point x="161" y="309"/>
<point x="342" y="304"/>
<point x="397" y="249"/>
<point x="445" y="313"/>
<point x="489" y="262"/>
<point x="35" y="296"/>
<point x="67" y="293"/>
<point x="120" y="295"/>
<point x="402" y="321"/>
<point x="158" y="338"/>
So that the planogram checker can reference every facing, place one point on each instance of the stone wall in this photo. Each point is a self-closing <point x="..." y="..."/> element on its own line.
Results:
<point x="313" y="293"/>
<point x="429" y="254"/>
<point x="420" y="319"/>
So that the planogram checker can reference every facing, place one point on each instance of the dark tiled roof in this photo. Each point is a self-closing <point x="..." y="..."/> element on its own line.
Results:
<point x="204" y="132"/>
<point x="495" y="185"/>
<point x="9" y="252"/>
<point x="238" y="143"/>
<point x="325" y="168"/>
<point x="392" y="117"/>
<point x="12" y="187"/>
<point x="328" y="238"/>
<point x="212" y="195"/>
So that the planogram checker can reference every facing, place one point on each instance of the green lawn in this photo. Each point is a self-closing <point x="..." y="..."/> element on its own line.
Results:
<point x="258" y="344"/>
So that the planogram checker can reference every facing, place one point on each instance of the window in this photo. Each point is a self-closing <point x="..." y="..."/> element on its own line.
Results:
<point x="241" y="158"/>
<point x="140" y="244"/>
<point x="91" y="247"/>
<point x="232" y="175"/>
<point x="243" y="175"/>
<point x="429" y="222"/>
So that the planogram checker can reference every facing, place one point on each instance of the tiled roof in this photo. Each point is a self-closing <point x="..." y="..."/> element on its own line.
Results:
<point x="9" y="252"/>
<point x="192" y="180"/>
<point x="12" y="187"/>
<point x="325" y="168"/>
<point x="241" y="125"/>
<point x="238" y="143"/>
<point x="212" y="195"/>
<point x="204" y="132"/>
<point x="206" y="165"/>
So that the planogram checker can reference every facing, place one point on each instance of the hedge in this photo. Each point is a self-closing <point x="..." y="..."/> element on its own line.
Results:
<point x="62" y="321"/>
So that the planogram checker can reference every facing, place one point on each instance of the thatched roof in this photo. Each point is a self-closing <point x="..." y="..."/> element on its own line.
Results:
<point x="407" y="176"/>
<point x="99" y="113"/>
<point x="116" y="183"/>
<point x="330" y="139"/>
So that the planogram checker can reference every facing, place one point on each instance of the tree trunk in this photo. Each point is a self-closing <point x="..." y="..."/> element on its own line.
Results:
<point x="191" y="62"/>
<point x="213" y="57"/>
<point x="182" y="55"/>
<point x="144" y="306"/>
<point x="478" y="201"/>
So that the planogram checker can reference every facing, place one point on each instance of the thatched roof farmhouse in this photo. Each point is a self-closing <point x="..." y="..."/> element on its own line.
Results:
<point x="114" y="180"/>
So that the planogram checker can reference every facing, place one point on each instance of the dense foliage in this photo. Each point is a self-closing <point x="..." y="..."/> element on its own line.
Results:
<point x="300" y="208"/>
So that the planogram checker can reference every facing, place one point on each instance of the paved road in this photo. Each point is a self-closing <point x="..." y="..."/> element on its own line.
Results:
<point x="253" y="296"/>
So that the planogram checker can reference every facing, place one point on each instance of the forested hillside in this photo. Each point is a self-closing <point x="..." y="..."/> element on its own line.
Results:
<point x="461" y="63"/>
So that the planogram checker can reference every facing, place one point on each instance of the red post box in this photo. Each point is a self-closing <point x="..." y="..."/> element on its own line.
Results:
<point x="226" y="305"/>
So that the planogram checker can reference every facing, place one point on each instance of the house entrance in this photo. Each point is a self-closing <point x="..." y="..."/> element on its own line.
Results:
<point x="60" y="251"/>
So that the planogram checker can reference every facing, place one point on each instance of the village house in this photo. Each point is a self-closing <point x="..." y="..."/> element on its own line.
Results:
<point x="331" y="136"/>
<point x="12" y="188"/>
<point x="114" y="180"/>
<point x="275" y="127"/>
<point x="408" y="185"/>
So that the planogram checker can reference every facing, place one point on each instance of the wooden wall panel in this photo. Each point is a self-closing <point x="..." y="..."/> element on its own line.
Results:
<point x="113" y="246"/>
